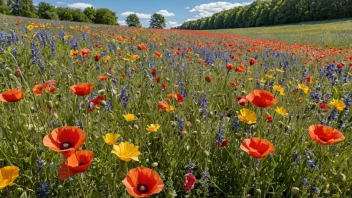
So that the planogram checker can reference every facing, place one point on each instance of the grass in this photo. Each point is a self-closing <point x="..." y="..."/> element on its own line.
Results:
<point x="336" y="33"/>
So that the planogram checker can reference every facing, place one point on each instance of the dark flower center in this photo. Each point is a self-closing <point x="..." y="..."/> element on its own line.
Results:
<point x="65" y="145"/>
<point x="325" y="140"/>
<point x="142" y="188"/>
<point x="81" y="164"/>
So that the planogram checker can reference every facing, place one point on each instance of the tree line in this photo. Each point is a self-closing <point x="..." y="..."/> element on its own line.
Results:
<point x="273" y="12"/>
<point x="26" y="8"/>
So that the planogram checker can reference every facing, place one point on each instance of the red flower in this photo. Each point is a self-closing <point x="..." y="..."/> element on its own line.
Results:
<point x="223" y="143"/>
<point x="103" y="78"/>
<point x="85" y="52"/>
<point x="241" y="100"/>
<point x="240" y="68"/>
<point x="95" y="102"/>
<point x="190" y="180"/>
<point x="139" y="85"/>
<point x="82" y="89"/>
<point x="340" y="65"/>
<point x="163" y="85"/>
<point x="234" y="84"/>
<point x="153" y="72"/>
<point x="157" y="79"/>
<point x="262" y="98"/>
<point x="97" y="58"/>
<point x="325" y="135"/>
<point x="252" y="61"/>
<point x="323" y="106"/>
<point x="208" y="79"/>
<point x="269" y="119"/>
<point x="229" y="66"/>
<point x="257" y="147"/>
<point x="12" y="95"/>
<point x="76" y="163"/>
<point x="309" y="80"/>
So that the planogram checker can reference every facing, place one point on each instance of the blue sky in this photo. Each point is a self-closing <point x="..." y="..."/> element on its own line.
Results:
<point x="176" y="12"/>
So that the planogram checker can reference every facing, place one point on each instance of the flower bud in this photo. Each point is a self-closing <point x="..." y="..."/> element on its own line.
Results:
<point x="341" y="178"/>
<point x="257" y="192"/>
<point x="101" y="92"/>
<point x="206" y="153"/>
<point x="295" y="190"/>
<point x="155" y="164"/>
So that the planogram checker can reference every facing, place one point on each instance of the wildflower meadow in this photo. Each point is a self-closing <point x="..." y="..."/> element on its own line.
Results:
<point x="106" y="111"/>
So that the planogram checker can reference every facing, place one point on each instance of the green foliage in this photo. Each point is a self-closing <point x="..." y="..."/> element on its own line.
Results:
<point x="157" y="21"/>
<point x="90" y="13"/>
<point x="4" y="9"/>
<point x="132" y="20"/>
<point x="274" y="12"/>
<point x="47" y="11"/>
<point x="105" y="16"/>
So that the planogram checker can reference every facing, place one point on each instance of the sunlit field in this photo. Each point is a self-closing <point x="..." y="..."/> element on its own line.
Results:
<point x="108" y="111"/>
<point x="336" y="33"/>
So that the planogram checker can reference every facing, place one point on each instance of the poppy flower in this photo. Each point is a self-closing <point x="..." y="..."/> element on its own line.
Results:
<point x="269" y="119"/>
<point x="223" y="143"/>
<point x="8" y="174"/>
<point x="97" y="58"/>
<point x="229" y="66"/>
<point x="252" y="61"/>
<point x="103" y="78"/>
<point x="257" y="147"/>
<point x="234" y="84"/>
<point x="95" y="102"/>
<point x="262" y="98"/>
<point x="157" y="79"/>
<point x="309" y="80"/>
<point x="158" y="55"/>
<point x="340" y="65"/>
<point x="13" y="95"/>
<point x="107" y="59"/>
<point x="165" y="106"/>
<point x="111" y="138"/>
<point x="48" y="86"/>
<point x="82" y="89"/>
<point x="241" y="100"/>
<point x="163" y="85"/>
<point x="65" y="140"/>
<point x="143" y="182"/>
<point x="338" y="104"/>
<point x="178" y="97"/>
<point x="126" y="151"/>
<point x="240" y="68"/>
<point x="208" y="79"/>
<point x="85" y="52"/>
<point x="190" y="180"/>
<point x="142" y="47"/>
<point x="323" y="106"/>
<point x="153" y="72"/>
<point x="78" y="162"/>
<point x="247" y="116"/>
<point x="130" y="117"/>
<point x="325" y="135"/>
<point x="153" y="128"/>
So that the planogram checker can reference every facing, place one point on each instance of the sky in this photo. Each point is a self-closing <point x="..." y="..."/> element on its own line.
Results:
<point x="176" y="11"/>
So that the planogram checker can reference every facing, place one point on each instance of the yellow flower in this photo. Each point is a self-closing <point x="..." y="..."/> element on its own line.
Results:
<point x="280" y="89"/>
<point x="269" y="76"/>
<point x="250" y="79"/>
<point x="350" y="73"/>
<point x="281" y="110"/>
<point x="135" y="57"/>
<point x="126" y="151"/>
<point x="262" y="80"/>
<point x="111" y="138"/>
<point x="73" y="52"/>
<point x="280" y="70"/>
<point x="153" y="128"/>
<point x="30" y="27"/>
<point x="305" y="88"/>
<point x="107" y="58"/>
<point x="130" y="117"/>
<point x="8" y="174"/>
<point x="126" y="59"/>
<point x="338" y="104"/>
<point x="170" y="108"/>
<point x="247" y="116"/>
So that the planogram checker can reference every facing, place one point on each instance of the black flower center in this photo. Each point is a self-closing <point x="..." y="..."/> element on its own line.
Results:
<point x="142" y="188"/>
<point x="81" y="164"/>
<point x="65" y="145"/>
<point x="323" y="139"/>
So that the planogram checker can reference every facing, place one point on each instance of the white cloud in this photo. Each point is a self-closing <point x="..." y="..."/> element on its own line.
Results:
<point x="208" y="9"/>
<point x="190" y="20"/>
<point x="122" y="22"/>
<point x="140" y="15"/>
<point x="172" y="22"/>
<point x="79" y="5"/>
<point x="187" y="8"/>
<point x="59" y="2"/>
<point x="166" y="13"/>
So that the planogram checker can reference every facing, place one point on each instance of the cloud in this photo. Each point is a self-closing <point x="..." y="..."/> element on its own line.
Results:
<point x="190" y="20"/>
<point x="59" y="2"/>
<point x="140" y="15"/>
<point x="187" y="8"/>
<point x="172" y="22"/>
<point x="122" y="22"/>
<point x="165" y="13"/>
<point x="79" y="5"/>
<point x="208" y="9"/>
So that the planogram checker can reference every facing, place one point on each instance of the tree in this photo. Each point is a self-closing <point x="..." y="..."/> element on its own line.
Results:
<point x="47" y="11"/>
<point x="105" y="16"/>
<point x="4" y="9"/>
<point x="79" y="16"/>
<point x="157" y="21"/>
<point x="132" y="20"/>
<point x="90" y="12"/>
<point x="23" y="8"/>
<point x="65" y="14"/>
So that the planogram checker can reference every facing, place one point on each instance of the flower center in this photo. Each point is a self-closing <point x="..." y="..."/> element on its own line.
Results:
<point x="65" y="145"/>
<point x="323" y="139"/>
<point x="142" y="188"/>
<point x="81" y="164"/>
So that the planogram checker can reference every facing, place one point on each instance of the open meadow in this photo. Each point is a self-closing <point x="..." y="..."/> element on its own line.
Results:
<point x="106" y="111"/>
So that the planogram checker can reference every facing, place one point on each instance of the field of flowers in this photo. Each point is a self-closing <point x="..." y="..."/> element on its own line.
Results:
<point x="104" y="111"/>
<point x="337" y="33"/>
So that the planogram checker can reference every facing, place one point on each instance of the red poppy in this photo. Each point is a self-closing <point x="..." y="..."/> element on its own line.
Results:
<point x="252" y="61"/>
<point x="95" y="102"/>
<point x="234" y="84"/>
<point x="323" y="106"/>
<point x="142" y="47"/>
<point x="49" y="86"/>
<point x="65" y="140"/>
<point x="262" y="98"/>
<point x="229" y="66"/>
<point x="309" y="80"/>
<point x="82" y="89"/>
<point x="78" y="162"/>
<point x="139" y="85"/>
<point x="18" y="73"/>
<point x="163" y="85"/>
<point x="154" y="72"/>
<point x="158" y="55"/>
<point x="208" y="79"/>
<point x="340" y="65"/>
<point x="257" y="147"/>
<point x="325" y="135"/>
<point x="143" y="182"/>
<point x="163" y="105"/>
<point x="103" y="78"/>
<point x="12" y="95"/>
<point x="269" y="119"/>
<point x="223" y="143"/>
<point x="241" y="100"/>
<point x="97" y="58"/>
<point x="85" y="52"/>
<point x="157" y="79"/>
<point x="240" y="68"/>
<point x="190" y="180"/>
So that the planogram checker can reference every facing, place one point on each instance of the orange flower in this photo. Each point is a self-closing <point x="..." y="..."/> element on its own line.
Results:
<point x="257" y="147"/>
<point x="12" y="95"/>
<point x="78" y="162"/>
<point x="229" y="66"/>
<point x="49" y="86"/>
<point x="262" y="98"/>
<point x="65" y="140"/>
<point x="178" y="97"/>
<point x="165" y="106"/>
<point x="325" y="135"/>
<point x="142" y="47"/>
<point x="143" y="182"/>
<point x="240" y="68"/>
<point x="103" y="78"/>
<point x="309" y="80"/>
<point x="158" y="55"/>
<point x="85" y="52"/>
<point x="82" y="89"/>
